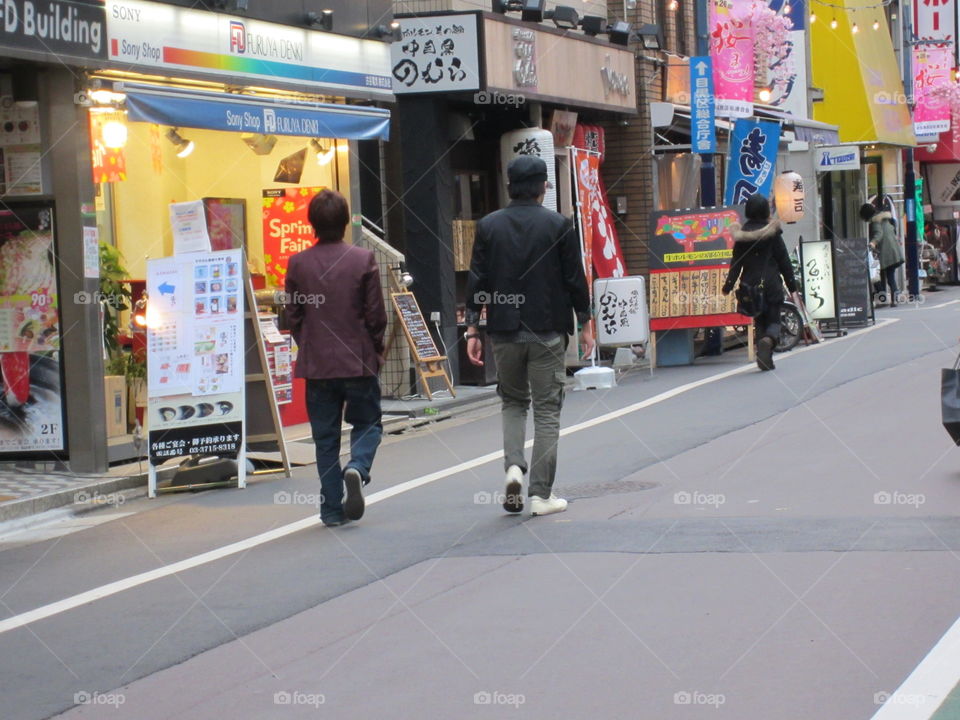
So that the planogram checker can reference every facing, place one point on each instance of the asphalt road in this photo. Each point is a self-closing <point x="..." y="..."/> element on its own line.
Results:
<point x="776" y="545"/>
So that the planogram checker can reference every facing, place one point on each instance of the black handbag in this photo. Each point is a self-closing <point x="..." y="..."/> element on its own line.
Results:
<point x="751" y="299"/>
<point x="950" y="400"/>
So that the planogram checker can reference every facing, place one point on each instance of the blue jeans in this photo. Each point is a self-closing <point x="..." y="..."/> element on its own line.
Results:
<point x="326" y="400"/>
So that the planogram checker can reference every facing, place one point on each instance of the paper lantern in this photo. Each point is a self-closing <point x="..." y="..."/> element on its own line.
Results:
<point x="788" y="196"/>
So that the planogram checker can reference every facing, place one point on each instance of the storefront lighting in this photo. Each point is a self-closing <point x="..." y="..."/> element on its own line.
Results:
<point x="184" y="146"/>
<point x="619" y="32"/>
<point x="673" y="5"/>
<point x="114" y="134"/>
<point x="322" y="20"/>
<point x="813" y="17"/>
<point x="876" y="24"/>
<point x="530" y="10"/>
<point x="764" y="95"/>
<point x="259" y="143"/>
<point x="324" y="154"/>
<point x="833" y="24"/>
<point x="786" y="8"/>
<point x="138" y="318"/>
<point x="106" y="97"/>
<point x="564" y="17"/>
<point x="649" y="36"/>
<point x="391" y="32"/>
<point x="956" y="74"/>
<point x="593" y="25"/>
<point x="855" y="29"/>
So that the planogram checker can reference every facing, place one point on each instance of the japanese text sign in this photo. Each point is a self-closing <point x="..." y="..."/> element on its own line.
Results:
<point x="753" y="155"/>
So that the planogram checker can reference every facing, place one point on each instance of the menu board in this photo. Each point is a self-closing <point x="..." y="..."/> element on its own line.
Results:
<point x="31" y="404"/>
<point x="195" y="366"/>
<point x="279" y="353"/>
<point x="852" y="259"/>
<point x="690" y="253"/>
<point x="414" y="326"/>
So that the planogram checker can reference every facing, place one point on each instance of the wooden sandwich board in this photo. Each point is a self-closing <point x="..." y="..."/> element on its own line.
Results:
<point x="428" y="360"/>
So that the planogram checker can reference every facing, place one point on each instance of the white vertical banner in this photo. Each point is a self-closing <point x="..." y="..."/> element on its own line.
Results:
<point x="818" y="295"/>
<point x="529" y="141"/>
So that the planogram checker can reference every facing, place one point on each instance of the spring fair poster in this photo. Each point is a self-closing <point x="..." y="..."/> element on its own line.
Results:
<point x="286" y="229"/>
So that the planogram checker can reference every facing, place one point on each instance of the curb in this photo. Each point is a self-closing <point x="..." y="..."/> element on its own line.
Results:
<point x="36" y="504"/>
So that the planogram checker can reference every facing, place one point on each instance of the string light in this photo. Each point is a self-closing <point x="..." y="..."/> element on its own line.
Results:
<point x="833" y="24"/>
<point x="764" y="95"/>
<point x="876" y="24"/>
<point x="813" y="17"/>
<point x="673" y="5"/>
<point x="786" y="8"/>
<point x="854" y="29"/>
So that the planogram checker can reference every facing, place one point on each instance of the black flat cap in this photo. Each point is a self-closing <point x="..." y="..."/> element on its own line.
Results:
<point x="526" y="167"/>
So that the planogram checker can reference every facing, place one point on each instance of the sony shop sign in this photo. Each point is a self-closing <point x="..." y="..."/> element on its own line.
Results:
<point x="75" y="28"/>
<point x="833" y="159"/>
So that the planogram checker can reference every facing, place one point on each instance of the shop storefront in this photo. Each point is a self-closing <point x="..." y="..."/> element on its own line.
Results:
<point x="476" y="89"/>
<point x="169" y="105"/>
<point x="254" y="149"/>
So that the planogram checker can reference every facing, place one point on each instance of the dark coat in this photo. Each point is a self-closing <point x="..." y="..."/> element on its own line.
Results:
<point x="335" y="311"/>
<point x="527" y="270"/>
<point x="883" y="237"/>
<point x="759" y="253"/>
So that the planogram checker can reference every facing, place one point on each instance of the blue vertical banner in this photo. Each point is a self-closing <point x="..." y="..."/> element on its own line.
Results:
<point x="753" y="156"/>
<point x="703" y="136"/>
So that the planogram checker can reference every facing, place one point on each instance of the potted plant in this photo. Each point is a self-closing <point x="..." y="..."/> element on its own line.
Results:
<point x="120" y="367"/>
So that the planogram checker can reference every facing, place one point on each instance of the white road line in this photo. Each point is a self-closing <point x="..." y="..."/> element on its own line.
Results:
<point x="934" y="307"/>
<point x="929" y="684"/>
<point x="133" y="581"/>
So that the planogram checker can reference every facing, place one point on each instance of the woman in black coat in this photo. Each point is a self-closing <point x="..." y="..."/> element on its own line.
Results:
<point x="760" y="258"/>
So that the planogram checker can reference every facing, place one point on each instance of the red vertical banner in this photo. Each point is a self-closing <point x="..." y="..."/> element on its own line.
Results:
<point x="607" y="257"/>
<point x="583" y="161"/>
<point x="106" y="152"/>
<point x="286" y="229"/>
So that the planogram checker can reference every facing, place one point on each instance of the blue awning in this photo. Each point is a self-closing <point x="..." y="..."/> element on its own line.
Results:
<point x="239" y="113"/>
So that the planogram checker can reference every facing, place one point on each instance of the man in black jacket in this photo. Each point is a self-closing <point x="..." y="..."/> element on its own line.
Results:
<point x="527" y="271"/>
<point x="760" y="254"/>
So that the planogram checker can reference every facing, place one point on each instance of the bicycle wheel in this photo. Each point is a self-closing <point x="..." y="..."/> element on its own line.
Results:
<point x="791" y="328"/>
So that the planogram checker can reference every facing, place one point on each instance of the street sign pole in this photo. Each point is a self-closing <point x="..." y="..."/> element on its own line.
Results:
<point x="708" y="181"/>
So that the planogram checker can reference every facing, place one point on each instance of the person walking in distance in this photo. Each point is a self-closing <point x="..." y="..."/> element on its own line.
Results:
<point x="883" y="239"/>
<point x="336" y="314"/>
<point x="527" y="271"/>
<point x="760" y="259"/>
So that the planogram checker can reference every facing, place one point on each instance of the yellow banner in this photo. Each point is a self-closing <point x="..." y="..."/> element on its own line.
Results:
<point x="702" y="255"/>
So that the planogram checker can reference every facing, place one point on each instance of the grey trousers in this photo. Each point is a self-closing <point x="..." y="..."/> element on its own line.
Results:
<point x="534" y="371"/>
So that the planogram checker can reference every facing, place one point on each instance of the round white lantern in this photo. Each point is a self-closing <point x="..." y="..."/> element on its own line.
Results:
<point x="788" y="196"/>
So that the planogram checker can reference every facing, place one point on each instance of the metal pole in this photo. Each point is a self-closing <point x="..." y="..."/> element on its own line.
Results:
<point x="910" y="178"/>
<point x="708" y="182"/>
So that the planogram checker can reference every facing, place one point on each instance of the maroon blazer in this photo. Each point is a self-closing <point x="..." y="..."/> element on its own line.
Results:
<point x="335" y="311"/>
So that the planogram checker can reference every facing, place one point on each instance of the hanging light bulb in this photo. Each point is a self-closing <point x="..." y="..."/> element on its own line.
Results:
<point x="786" y="8"/>
<point x="114" y="134"/>
<point x="854" y="29"/>
<point x="764" y="95"/>
<point x="673" y="5"/>
<point x="876" y="24"/>
<point x="813" y="17"/>
<point x="833" y="24"/>
<point x="956" y="74"/>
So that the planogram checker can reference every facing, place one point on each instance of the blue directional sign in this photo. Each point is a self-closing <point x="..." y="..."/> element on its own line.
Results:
<point x="703" y="135"/>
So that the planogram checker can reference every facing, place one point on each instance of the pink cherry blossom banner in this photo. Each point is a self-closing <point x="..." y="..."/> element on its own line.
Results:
<point x="731" y="47"/>
<point x="931" y="68"/>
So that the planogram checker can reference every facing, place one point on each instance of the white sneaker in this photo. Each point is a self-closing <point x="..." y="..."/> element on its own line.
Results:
<point x="546" y="506"/>
<point x="513" y="490"/>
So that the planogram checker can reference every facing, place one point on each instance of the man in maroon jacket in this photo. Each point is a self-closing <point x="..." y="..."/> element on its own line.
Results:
<point x="336" y="314"/>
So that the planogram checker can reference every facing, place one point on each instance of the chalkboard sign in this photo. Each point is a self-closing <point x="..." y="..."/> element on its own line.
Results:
<point x="415" y="327"/>
<point x="853" y="280"/>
